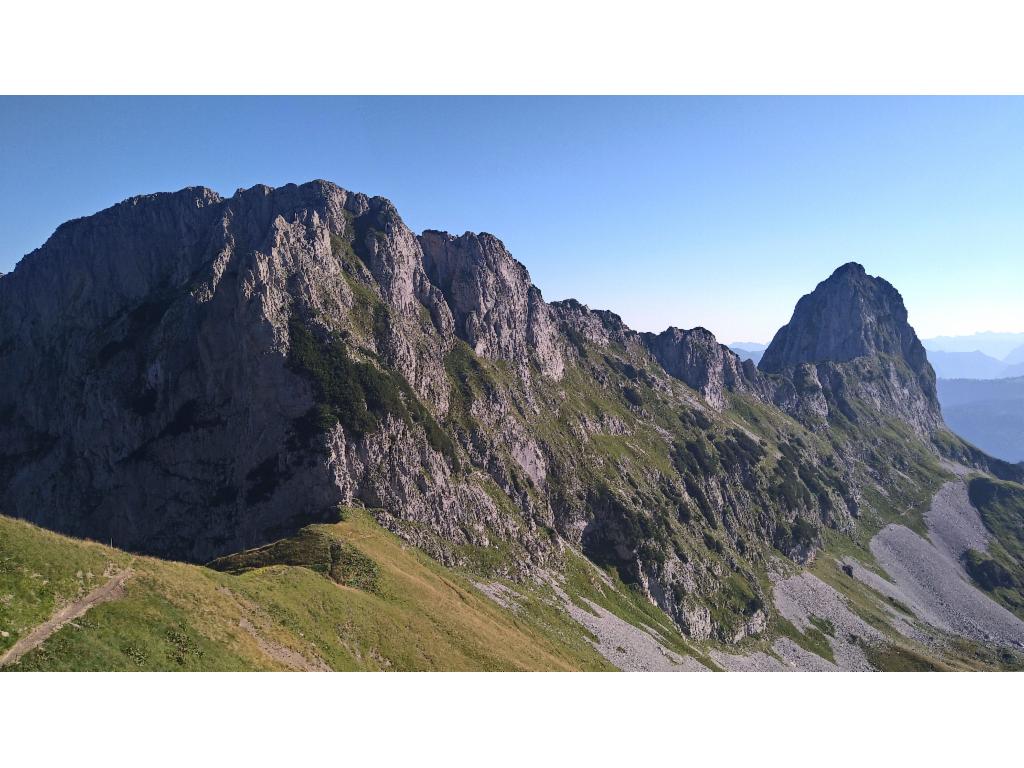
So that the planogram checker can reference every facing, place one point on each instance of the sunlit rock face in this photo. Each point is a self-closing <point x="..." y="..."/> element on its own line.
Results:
<point x="853" y="330"/>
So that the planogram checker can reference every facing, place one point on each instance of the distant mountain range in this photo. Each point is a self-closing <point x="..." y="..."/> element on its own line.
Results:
<point x="972" y="365"/>
<point x="997" y="345"/>
<point x="1015" y="358"/>
<point x="979" y="356"/>
<point x="749" y="350"/>
<point x="988" y="413"/>
<point x="981" y="389"/>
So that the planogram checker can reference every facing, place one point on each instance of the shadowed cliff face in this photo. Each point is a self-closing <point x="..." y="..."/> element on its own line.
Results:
<point x="849" y="339"/>
<point x="188" y="375"/>
<point x="148" y="394"/>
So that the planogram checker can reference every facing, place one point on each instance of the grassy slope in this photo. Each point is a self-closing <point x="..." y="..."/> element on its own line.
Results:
<point x="420" y="615"/>
<point x="413" y="615"/>
<point x="1000" y="571"/>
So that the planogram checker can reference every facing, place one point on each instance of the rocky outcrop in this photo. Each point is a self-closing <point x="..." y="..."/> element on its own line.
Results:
<point x="696" y="357"/>
<point x="583" y="325"/>
<point x="848" y="345"/>
<point x="497" y="310"/>
<point x="849" y="315"/>
<point x="148" y="397"/>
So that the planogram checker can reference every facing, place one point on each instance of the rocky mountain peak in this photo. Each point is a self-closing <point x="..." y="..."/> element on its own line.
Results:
<point x="849" y="315"/>
<point x="851" y="339"/>
<point x="695" y="357"/>
<point x="126" y="337"/>
<point x="497" y="310"/>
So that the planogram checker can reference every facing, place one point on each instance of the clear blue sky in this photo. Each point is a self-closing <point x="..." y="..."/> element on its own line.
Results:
<point x="688" y="211"/>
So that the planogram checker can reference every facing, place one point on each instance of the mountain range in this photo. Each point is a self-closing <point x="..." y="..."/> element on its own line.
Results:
<point x="980" y="394"/>
<point x="747" y="350"/>
<point x="287" y="396"/>
<point x="952" y="357"/>
<point x="974" y="365"/>
<point x="1008" y="347"/>
<point x="988" y="413"/>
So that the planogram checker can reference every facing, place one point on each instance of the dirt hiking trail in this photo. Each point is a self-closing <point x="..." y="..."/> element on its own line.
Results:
<point x="112" y="590"/>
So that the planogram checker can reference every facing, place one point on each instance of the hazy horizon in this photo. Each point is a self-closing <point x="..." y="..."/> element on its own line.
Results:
<point x="668" y="211"/>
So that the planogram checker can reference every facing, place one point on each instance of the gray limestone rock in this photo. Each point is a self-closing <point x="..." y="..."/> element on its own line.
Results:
<point x="497" y="310"/>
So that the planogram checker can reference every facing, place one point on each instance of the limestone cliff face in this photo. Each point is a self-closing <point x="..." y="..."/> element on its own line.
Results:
<point x="583" y="325"/>
<point x="696" y="357"/>
<point x="848" y="344"/>
<point x="497" y="310"/>
<point x="148" y="397"/>
<point x="849" y="315"/>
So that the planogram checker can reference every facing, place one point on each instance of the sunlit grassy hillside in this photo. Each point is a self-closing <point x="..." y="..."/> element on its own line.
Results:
<point x="378" y="604"/>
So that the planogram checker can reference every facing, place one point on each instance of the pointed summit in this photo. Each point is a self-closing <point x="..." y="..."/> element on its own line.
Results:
<point x="849" y="351"/>
<point x="849" y="315"/>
